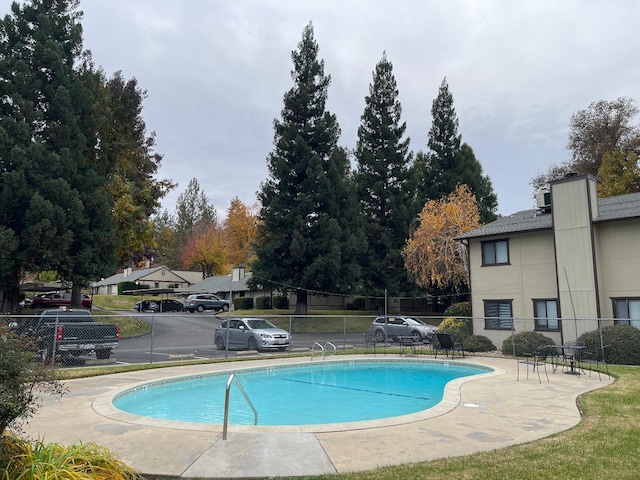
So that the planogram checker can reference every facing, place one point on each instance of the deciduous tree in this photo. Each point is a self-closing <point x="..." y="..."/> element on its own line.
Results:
<point x="432" y="257"/>
<point x="128" y="151"/>
<point x="206" y="248"/>
<point x="601" y="128"/>
<point x="619" y="173"/>
<point x="240" y="227"/>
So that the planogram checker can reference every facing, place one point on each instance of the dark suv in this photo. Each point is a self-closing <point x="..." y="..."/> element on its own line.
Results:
<point x="205" y="301"/>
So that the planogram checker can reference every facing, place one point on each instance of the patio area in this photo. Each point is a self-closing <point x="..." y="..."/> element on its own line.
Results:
<point x="477" y="413"/>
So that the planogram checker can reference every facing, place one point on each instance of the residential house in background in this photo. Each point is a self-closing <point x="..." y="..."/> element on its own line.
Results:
<point x="155" y="277"/>
<point x="559" y="268"/>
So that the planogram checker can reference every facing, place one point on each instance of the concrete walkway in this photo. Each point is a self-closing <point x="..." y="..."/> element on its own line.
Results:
<point x="478" y="413"/>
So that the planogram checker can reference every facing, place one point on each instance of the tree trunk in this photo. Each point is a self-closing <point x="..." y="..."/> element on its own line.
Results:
<point x="301" y="302"/>
<point x="76" y="295"/>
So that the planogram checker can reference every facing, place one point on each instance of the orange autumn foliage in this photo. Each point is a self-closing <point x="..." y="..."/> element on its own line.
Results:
<point x="432" y="256"/>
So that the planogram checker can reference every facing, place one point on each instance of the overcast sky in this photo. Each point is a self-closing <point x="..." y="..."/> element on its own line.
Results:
<point x="216" y="71"/>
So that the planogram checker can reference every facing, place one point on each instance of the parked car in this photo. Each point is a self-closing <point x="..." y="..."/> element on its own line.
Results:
<point x="57" y="299"/>
<point x="165" y="305"/>
<point x="251" y="334"/>
<point x="390" y="328"/>
<point x="205" y="301"/>
<point x="145" y="306"/>
<point x="69" y="332"/>
<point x="169" y="305"/>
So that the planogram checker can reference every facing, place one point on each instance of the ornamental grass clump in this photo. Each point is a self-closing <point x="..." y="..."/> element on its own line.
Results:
<point x="52" y="461"/>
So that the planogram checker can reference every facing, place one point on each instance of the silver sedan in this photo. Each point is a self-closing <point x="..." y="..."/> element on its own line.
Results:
<point x="251" y="334"/>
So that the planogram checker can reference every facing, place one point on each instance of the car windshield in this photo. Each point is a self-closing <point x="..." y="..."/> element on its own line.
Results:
<point x="259" y="323"/>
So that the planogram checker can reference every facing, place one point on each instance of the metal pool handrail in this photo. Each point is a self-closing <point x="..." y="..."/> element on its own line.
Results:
<point x="232" y="378"/>
<point x="322" y="349"/>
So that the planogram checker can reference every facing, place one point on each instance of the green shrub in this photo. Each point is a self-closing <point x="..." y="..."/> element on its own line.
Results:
<point x="624" y="341"/>
<point x="478" y="343"/>
<point x="22" y="381"/>
<point x="263" y="303"/>
<point x="243" y="303"/>
<point x="458" y="328"/>
<point x="39" y="461"/>
<point x="356" y="304"/>
<point x="461" y="309"/>
<point x="525" y="342"/>
<point x="280" y="302"/>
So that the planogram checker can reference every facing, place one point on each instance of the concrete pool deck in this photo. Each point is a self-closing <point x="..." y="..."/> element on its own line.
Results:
<point x="477" y="413"/>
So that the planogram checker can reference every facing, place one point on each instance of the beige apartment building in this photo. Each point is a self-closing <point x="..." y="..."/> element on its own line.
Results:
<point x="559" y="269"/>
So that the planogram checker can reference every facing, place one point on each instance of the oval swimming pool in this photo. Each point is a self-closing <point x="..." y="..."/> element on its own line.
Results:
<point x="314" y="393"/>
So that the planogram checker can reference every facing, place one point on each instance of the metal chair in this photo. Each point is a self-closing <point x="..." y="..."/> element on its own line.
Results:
<point x="446" y="343"/>
<point x="597" y="359"/>
<point x="371" y="342"/>
<point x="536" y="358"/>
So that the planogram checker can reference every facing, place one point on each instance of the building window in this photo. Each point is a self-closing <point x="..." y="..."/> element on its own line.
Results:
<point x="627" y="311"/>
<point x="497" y="314"/>
<point x="495" y="252"/>
<point x="163" y="271"/>
<point x="546" y="313"/>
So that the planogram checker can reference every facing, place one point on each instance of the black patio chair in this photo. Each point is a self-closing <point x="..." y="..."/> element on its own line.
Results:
<point x="446" y="343"/>
<point x="371" y="343"/>
<point x="597" y="359"/>
<point x="536" y="357"/>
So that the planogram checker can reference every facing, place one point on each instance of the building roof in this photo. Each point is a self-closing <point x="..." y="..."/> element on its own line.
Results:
<point x="222" y="283"/>
<point x="132" y="276"/>
<point x="621" y="207"/>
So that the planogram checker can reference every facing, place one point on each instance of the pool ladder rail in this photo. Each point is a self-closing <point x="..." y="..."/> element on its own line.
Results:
<point x="323" y="349"/>
<point x="230" y="381"/>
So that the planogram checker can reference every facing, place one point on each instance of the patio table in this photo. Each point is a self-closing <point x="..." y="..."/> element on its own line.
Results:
<point x="572" y="353"/>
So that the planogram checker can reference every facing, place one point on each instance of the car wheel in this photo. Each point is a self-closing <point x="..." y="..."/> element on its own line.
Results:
<point x="416" y="336"/>
<point x="380" y="336"/>
<point x="103" y="354"/>
<point x="191" y="310"/>
<point x="225" y="308"/>
<point x="252" y="344"/>
<point x="219" y="343"/>
<point x="200" y="308"/>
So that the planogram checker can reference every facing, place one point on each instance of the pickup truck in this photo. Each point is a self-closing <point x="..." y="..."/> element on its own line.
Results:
<point x="70" y="332"/>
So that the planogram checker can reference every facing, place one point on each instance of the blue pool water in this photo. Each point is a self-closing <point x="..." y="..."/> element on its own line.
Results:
<point x="318" y="393"/>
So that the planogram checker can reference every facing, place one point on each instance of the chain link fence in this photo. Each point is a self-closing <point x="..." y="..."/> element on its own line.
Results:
<point x="78" y="338"/>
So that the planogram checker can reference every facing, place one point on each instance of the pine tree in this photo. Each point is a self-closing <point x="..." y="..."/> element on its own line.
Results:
<point x="444" y="145"/>
<point x="382" y="178"/>
<point x="450" y="162"/>
<point x="469" y="172"/>
<point x="307" y="236"/>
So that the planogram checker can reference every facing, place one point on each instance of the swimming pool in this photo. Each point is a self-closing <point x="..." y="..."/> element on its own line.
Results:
<point x="307" y="394"/>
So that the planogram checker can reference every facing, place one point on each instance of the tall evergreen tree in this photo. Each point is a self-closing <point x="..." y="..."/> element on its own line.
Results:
<point x="307" y="236"/>
<point x="52" y="210"/>
<point x="58" y="151"/>
<point x="449" y="162"/>
<point x="469" y="172"/>
<point x="444" y="145"/>
<point x="382" y="179"/>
